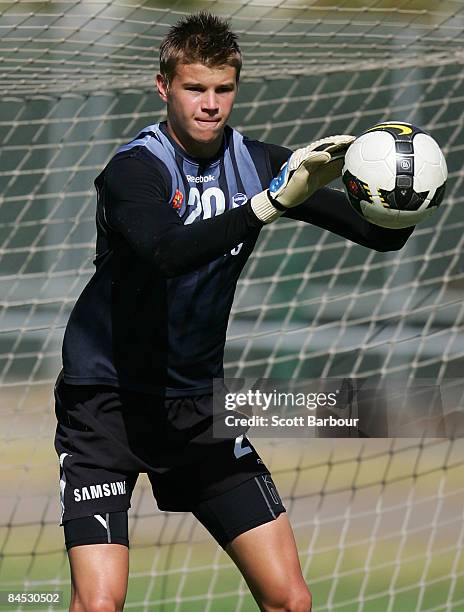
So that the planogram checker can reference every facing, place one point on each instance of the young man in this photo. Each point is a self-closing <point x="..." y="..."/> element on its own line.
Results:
<point x="179" y="211"/>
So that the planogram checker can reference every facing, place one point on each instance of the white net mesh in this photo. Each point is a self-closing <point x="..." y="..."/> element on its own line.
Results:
<point x="378" y="522"/>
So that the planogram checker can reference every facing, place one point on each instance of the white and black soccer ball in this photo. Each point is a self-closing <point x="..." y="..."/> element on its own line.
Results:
<point x="395" y="174"/>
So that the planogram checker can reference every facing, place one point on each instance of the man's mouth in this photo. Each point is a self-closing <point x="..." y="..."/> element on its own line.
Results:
<point x="207" y="122"/>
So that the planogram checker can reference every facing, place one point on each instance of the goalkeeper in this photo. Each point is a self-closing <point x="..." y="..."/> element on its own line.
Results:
<point x="179" y="211"/>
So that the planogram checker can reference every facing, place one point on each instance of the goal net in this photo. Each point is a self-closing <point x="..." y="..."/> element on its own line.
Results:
<point x="378" y="522"/>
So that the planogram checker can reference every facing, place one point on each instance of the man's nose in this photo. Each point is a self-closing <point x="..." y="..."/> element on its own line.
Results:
<point x="209" y="101"/>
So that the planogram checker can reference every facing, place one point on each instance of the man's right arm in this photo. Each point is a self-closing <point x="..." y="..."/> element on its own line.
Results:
<point x="137" y="206"/>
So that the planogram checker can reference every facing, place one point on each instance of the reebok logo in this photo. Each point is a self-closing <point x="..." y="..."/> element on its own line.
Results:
<point x="200" y="179"/>
<point x="106" y="489"/>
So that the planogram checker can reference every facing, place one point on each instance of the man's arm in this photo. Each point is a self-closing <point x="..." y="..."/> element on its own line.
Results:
<point x="329" y="209"/>
<point x="137" y="207"/>
<point x="136" y="203"/>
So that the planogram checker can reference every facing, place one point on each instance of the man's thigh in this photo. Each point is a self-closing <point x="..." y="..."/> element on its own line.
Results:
<point x="252" y="503"/>
<point x="249" y="521"/>
<point x="99" y="574"/>
<point x="267" y="557"/>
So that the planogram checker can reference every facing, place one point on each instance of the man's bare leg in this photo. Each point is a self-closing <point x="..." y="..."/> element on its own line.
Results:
<point x="98" y="577"/>
<point x="268" y="559"/>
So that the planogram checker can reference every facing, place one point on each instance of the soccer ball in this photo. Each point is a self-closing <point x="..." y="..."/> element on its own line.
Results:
<point x="395" y="175"/>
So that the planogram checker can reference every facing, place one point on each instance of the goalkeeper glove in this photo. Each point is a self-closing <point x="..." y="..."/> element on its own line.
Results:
<point x="307" y="170"/>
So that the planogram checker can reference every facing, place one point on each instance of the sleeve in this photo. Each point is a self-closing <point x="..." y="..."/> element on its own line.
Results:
<point x="137" y="207"/>
<point x="329" y="209"/>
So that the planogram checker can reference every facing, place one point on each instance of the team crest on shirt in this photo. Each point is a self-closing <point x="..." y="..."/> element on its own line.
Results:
<point x="177" y="199"/>
<point x="239" y="199"/>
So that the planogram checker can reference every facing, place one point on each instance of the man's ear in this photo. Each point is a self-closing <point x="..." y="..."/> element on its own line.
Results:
<point x="162" y="87"/>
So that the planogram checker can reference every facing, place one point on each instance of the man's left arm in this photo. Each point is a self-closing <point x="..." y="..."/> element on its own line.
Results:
<point x="330" y="209"/>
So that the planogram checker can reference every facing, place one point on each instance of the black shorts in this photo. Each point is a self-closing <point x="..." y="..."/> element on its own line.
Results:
<point x="106" y="436"/>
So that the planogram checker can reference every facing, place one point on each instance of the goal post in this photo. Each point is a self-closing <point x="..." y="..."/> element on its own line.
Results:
<point x="378" y="522"/>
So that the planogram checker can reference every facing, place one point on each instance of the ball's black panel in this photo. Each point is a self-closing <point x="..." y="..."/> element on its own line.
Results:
<point x="404" y="173"/>
<point x="356" y="191"/>
<point x="403" y="195"/>
<point x="415" y="201"/>
<point x="438" y="197"/>
<point x="404" y="147"/>
<point x="388" y="197"/>
<point x="404" y="181"/>
<point x="403" y="199"/>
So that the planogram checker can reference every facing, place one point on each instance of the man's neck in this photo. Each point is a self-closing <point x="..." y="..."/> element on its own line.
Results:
<point x="193" y="148"/>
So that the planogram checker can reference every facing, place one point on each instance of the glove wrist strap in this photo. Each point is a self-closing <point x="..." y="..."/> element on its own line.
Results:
<point x="263" y="207"/>
<point x="275" y="203"/>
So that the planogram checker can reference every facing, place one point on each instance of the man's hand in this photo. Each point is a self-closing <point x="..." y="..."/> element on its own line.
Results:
<point x="307" y="170"/>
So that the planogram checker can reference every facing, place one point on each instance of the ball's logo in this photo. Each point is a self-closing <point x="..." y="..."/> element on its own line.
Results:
<point x="353" y="187"/>
<point x="403" y="128"/>
<point x="405" y="164"/>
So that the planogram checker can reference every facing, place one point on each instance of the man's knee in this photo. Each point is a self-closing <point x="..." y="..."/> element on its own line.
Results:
<point x="96" y="603"/>
<point x="300" y="602"/>
<point x="291" y="599"/>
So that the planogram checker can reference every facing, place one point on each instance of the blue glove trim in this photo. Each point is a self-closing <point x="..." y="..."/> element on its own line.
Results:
<point x="279" y="180"/>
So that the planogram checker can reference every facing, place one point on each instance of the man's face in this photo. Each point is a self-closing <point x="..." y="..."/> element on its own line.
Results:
<point x="199" y="101"/>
